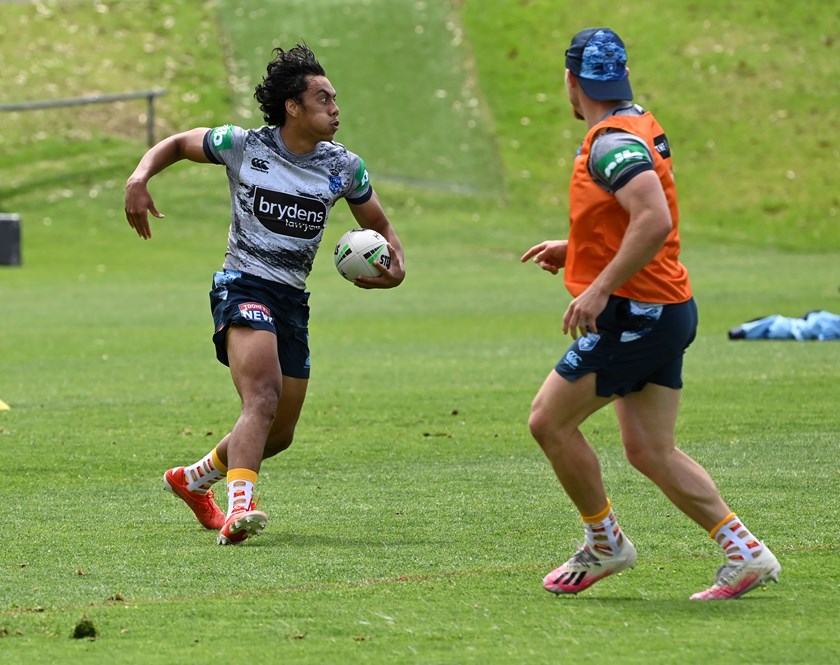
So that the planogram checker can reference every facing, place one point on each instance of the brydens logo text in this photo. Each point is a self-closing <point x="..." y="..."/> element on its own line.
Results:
<point x="288" y="215"/>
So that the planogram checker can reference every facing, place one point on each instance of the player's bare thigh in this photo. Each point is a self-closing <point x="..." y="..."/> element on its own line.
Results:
<point x="254" y="365"/>
<point x="560" y="405"/>
<point x="647" y="420"/>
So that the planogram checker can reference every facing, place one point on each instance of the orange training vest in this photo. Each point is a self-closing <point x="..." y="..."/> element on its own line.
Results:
<point x="598" y="223"/>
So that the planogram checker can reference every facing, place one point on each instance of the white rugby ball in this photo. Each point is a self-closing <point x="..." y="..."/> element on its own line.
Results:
<point x="358" y="251"/>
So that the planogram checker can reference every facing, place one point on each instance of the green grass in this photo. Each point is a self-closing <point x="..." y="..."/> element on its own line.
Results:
<point x="415" y="119"/>
<point x="739" y="87"/>
<point x="414" y="518"/>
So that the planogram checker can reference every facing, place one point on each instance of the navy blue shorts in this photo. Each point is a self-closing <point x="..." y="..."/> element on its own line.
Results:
<point x="239" y="299"/>
<point x="637" y="343"/>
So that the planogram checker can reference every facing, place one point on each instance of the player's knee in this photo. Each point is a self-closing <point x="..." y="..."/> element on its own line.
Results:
<point x="262" y="403"/>
<point x="643" y="458"/>
<point x="638" y="460"/>
<point x="277" y="443"/>
<point x="542" y="427"/>
<point x="536" y="424"/>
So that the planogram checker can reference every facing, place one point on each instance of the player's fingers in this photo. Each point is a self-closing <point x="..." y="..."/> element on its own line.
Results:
<point x="575" y="322"/>
<point x="385" y="279"/>
<point x="536" y="249"/>
<point x="567" y="322"/>
<point x="364" y="282"/>
<point x="393" y="262"/>
<point x="133" y="221"/>
<point x="141" y="226"/>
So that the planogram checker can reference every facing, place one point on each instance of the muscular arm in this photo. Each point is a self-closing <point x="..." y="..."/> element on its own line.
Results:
<point x="138" y="201"/>
<point x="650" y="223"/>
<point x="370" y="215"/>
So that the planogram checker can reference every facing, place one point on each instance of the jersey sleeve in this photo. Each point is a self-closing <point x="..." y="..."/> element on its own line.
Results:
<point x="360" y="189"/>
<point x="223" y="145"/>
<point x="616" y="157"/>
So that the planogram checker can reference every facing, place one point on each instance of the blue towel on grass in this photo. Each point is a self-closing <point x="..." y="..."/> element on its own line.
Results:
<point x="819" y="325"/>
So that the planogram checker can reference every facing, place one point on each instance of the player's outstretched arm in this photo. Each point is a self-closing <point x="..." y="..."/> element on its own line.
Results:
<point x="138" y="200"/>
<point x="370" y="215"/>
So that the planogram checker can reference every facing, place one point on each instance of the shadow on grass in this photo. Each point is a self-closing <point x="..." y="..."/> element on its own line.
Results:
<point x="286" y="539"/>
<point x="673" y="607"/>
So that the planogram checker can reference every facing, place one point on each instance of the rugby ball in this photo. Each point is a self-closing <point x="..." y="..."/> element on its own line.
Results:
<point x="358" y="251"/>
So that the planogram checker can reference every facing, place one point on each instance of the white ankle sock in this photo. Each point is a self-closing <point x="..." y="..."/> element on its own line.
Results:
<point x="603" y="534"/>
<point x="240" y="488"/>
<point x="736" y="539"/>
<point x="201" y="475"/>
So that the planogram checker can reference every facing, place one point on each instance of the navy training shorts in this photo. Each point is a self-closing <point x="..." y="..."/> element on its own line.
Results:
<point x="239" y="299"/>
<point x="637" y="343"/>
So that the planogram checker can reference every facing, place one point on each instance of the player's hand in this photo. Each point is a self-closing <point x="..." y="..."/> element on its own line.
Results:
<point x="549" y="255"/>
<point x="138" y="205"/>
<point x="582" y="313"/>
<point x="388" y="278"/>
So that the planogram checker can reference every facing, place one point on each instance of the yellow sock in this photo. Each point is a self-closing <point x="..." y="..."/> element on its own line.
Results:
<point x="240" y="489"/>
<point x="217" y="461"/>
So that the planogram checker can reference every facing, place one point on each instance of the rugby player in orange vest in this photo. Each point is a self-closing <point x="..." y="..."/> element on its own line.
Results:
<point x="632" y="317"/>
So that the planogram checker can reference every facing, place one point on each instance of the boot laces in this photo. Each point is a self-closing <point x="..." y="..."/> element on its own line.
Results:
<point x="726" y="573"/>
<point x="583" y="558"/>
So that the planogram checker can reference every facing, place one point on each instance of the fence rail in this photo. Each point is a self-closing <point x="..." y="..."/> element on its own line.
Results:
<point x="149" y="95"/>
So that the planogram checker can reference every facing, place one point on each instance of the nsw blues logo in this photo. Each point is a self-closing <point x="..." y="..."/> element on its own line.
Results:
<point x="335" y="184"/>
<point x="588" y="343"/>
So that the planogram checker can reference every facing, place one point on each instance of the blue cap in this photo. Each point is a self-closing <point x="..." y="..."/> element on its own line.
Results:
<point x="599" y="60"/>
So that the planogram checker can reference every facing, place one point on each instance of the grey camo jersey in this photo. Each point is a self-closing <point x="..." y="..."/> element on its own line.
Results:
<point x="280" y="201"/>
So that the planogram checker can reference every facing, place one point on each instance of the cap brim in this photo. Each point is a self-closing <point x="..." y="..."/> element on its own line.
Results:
<point x="607" y="91"/>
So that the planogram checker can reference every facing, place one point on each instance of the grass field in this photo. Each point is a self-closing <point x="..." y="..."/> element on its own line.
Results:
<point x="414" y="518"/>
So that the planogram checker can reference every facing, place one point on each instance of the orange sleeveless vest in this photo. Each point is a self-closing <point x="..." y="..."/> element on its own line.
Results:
<point x="597" y="224"/>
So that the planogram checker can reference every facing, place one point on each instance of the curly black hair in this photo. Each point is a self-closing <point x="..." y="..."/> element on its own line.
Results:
<point x="285" y="78"/>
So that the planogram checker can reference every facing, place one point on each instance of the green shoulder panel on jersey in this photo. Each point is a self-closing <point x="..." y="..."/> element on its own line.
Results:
<point x="222" y="137"/>
<point x="361" y="176"/>
<point x="618" y="159"/>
